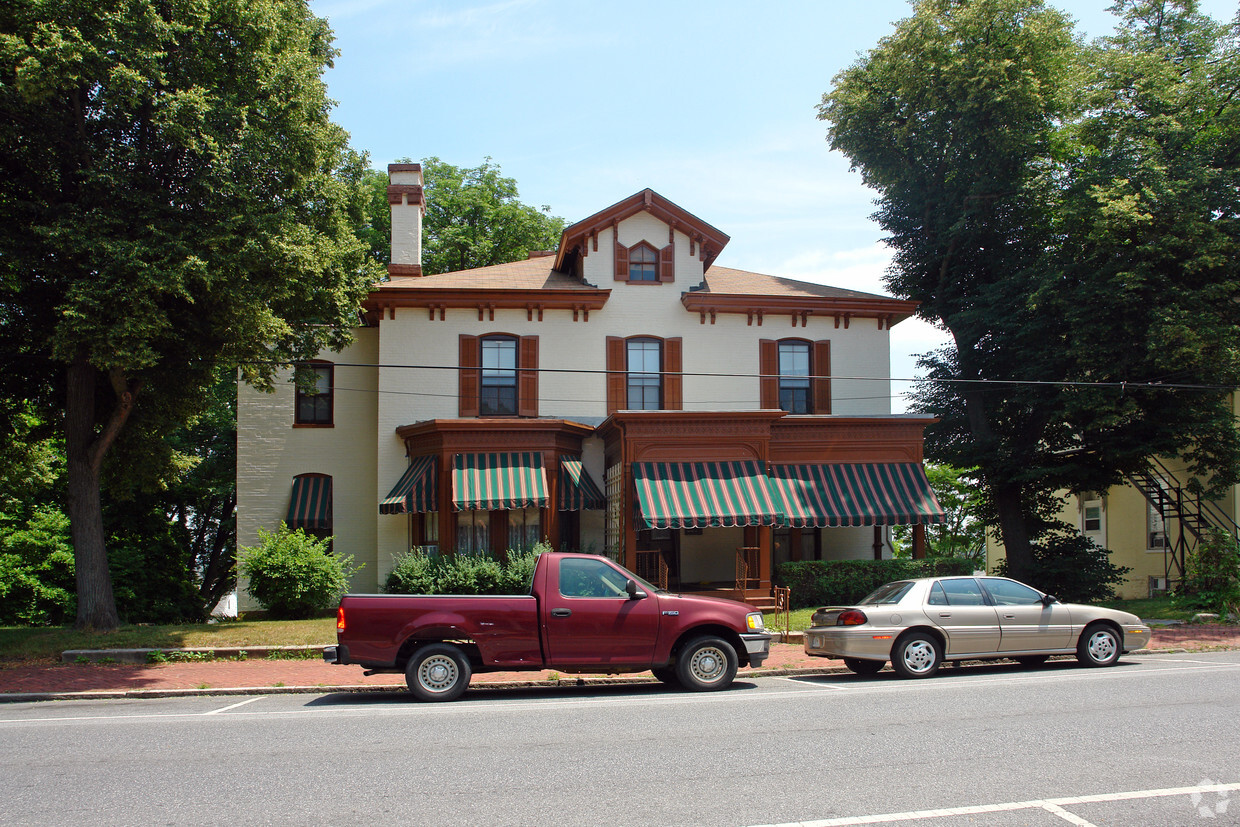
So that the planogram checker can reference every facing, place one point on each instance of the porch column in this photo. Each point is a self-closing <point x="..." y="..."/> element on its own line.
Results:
<point x="919" y="542"/>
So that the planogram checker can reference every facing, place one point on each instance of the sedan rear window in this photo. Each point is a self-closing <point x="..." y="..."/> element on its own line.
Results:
<point x="890" y="593"/>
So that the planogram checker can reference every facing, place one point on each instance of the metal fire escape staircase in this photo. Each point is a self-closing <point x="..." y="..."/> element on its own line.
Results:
<point x="1195" y="518"/>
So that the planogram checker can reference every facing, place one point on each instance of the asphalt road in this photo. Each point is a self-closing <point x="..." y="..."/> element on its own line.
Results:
<point x="1145" y="743"/>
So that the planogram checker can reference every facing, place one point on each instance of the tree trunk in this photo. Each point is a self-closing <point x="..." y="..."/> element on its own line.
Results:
<point x="1014" y="533"/>
<point x="96" y="605"/>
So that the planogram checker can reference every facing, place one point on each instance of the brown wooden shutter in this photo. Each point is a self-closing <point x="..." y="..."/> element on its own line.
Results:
<point x="622" y="261"/>
<point x="673" y="389"/>
<point x="820" y="389"/>
<point x="527" y="377"/>
<point x="468" y="397"/>
<point x="768" y="366"/>
<point x="617" y="374"/>
<point x="667" y="263"/>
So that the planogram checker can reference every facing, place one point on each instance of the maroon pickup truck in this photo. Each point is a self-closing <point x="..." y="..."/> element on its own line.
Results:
<point x="584" y="614"/>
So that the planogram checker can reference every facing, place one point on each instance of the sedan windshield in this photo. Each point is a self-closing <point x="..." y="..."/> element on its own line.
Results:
<point x="890" y="593"/>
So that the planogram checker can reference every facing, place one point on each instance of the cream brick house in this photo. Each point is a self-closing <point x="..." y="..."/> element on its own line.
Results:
<point x="622" y="394"/>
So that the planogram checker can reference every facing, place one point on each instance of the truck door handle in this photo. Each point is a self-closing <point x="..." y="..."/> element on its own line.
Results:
<point x="561" y="612"/>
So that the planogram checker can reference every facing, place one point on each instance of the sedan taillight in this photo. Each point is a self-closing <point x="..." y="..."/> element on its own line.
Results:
<point x="852" y="617"/>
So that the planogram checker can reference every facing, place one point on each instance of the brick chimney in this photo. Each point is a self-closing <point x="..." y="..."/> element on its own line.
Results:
<point x="408" y="206"/>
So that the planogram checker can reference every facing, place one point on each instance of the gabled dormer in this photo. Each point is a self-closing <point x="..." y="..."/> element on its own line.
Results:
<point x="644" y="239"/>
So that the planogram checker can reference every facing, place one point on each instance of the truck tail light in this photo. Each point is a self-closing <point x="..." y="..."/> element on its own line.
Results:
<point x="852" y="617"/>
<point x="340" y="619"/>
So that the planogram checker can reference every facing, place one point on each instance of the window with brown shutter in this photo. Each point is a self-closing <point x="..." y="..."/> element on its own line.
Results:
<point x="673" y="393"/>
<point x="616" y="374"/>
<point x="622" y="261"/>
<point x="527" y="386"/>
<point x="768" y="366"/>
<point x="468" y="385"/>
<point x="667" y="263"/>
<point x="795" y="375"/>
<point x="821" y="387"/>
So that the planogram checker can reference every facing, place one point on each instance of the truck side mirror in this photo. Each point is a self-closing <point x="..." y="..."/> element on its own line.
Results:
<point x="634" y="592"/>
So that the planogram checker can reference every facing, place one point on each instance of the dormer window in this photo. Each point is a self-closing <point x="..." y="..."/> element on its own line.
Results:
<point x="643" y="263"/>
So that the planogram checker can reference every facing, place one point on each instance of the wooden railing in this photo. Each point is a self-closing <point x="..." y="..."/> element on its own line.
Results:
<point x="652" y="568"/>
<point x="747" y="574"/>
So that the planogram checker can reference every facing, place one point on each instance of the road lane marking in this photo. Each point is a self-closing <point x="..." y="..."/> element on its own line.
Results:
<point x="234" y="706"/>
<point x="1056" y="806"/>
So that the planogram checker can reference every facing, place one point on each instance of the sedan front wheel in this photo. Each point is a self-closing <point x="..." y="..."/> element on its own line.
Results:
<point x="916" y="655"/>
<point x="1099" y="646"/>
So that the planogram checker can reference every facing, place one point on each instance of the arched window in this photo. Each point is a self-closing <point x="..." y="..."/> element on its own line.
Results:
<point x="795" y="375"/>
<point x="643" y="263"/>
<point x="498" y="376"/>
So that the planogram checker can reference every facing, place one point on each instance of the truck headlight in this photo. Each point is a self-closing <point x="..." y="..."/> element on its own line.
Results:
<point x="754" y="621"/>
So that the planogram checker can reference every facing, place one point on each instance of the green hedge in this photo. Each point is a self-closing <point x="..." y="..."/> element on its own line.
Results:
<point x="841" y="582"/>
<point x="416" y="572"/>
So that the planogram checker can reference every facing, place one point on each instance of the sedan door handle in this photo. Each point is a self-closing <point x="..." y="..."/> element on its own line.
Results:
<point x="1009" y="617"/>
<point x="945" y="614"/>
<point x="561" y="612"/>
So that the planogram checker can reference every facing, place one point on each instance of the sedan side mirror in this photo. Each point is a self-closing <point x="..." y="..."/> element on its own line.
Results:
<point x="634" y="592"/>
<point x="1048" y="599"/>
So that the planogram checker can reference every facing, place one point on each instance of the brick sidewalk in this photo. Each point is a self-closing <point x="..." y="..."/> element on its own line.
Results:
<point x="274" y="675"/>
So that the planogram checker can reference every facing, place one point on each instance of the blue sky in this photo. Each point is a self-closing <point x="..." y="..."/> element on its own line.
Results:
<point x="711" y="104"/>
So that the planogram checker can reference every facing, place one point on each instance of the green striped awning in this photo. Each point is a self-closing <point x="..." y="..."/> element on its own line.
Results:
<point x="577" y="491"/>
<point x="497" y="482"/>
<point x="416" y="492"/>
<point x="311" y="503"/>
<point x="855" y="494"/>
<point x="703" y="494"/>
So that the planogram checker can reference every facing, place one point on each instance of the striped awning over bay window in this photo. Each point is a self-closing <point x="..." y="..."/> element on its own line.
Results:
<point x="855" y="494"/>
<point x="416" y="492"/>
<point x="498" y="482"/>
<point x="311" y="503"/>
<point x="703" y="494"/>
<point x="577" y="491"/>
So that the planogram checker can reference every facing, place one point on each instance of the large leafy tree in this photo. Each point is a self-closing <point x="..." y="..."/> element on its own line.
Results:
<point x="1068" y="214"/>
<point x="177" y="200"/>
<point x="474" y="219"/>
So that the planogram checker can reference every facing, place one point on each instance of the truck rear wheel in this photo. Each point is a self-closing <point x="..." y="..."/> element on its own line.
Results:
<point x="706" y="664"/>
<point x="438" y="672"/>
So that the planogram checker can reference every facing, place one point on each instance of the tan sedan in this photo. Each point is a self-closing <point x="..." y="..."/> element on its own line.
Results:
<point x="919" y="624"/>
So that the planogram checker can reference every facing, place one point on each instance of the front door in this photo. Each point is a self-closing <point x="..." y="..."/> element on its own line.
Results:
<point x="592" y="621"/>
<point x="959" y="607"/>
<point x="1025" y="623"/>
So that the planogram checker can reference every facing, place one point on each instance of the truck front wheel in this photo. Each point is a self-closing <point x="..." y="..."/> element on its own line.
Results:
<point x="438" y="672"/>
<point x="706" y="664"/>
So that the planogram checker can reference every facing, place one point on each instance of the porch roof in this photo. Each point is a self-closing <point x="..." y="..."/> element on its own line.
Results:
<point x="855" y="494"/>
<point x="577" y="491"/>
<point x="703" y="494"/>
<point x="498" y="481"/>
<point x="416" y="492"/>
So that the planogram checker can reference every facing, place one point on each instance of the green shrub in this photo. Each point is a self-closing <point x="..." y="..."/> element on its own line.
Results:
<point x="841" y="582"/>
<point x="1211" y="576"/>
<point x="1072" y="567"/>
<point x="37" y="586"/>
<point x="293" y="575"/>
<point x="416" y="572"/>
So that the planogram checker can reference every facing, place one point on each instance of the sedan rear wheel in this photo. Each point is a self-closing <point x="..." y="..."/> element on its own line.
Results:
<point x="863" y="667"/>
<point x="1099" y="646"/>
<point x="916" y="655"/>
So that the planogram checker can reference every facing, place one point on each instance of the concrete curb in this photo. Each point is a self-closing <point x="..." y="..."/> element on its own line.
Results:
<point x="199" y="653"/>
<point x="32" y="697"/>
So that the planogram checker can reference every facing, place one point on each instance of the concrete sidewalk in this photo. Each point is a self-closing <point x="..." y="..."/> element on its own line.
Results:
<point x="30" y="682"/>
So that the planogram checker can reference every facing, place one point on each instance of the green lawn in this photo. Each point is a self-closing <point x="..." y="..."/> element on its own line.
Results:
<point x="24" y="644"/>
